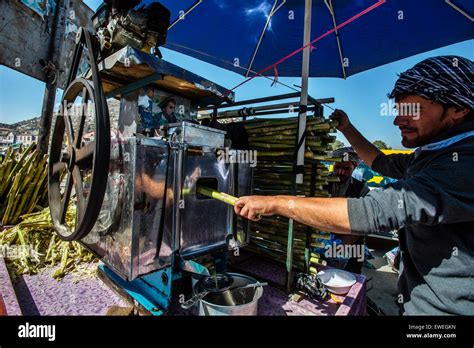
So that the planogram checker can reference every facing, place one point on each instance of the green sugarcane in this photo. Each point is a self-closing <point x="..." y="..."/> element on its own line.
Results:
<point x="283" y="127"/>
<point x="278" y="241"/>
<point x="299" y="236"/>
<point x="17" y="173"/>
<point x="281" y="230"/>
<point x="60" y="271"/>
<point x="28" y="172"/>
<point x="8" y="154"/>
<point x="31" y="179"/>
<point x="271" y="138"/>
<point x="277" y="121"/>
<point x="34" y="198"/>
<point x="18" y="210"/>
<point x="278" y="236"/>
<point x="7" y="172"/>
<point x="277" y="256"/>
<point x="50" y="247"/>
<point x="301" y="230"/>
<point x="270" y="145"/>
<point x="11" y="202"/>
<point x="22" y="158"/>
<point x="220" y="196"/>
<point x="275" y="236"/>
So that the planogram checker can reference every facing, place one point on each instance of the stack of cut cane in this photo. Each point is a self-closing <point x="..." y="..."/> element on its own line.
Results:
<point x="275" y="142"/>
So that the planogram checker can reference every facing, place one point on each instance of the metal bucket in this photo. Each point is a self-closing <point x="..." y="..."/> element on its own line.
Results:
<point x="232" y="302"/>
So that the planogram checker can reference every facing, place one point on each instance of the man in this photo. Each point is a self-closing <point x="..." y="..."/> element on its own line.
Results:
<point x="168" y="107"/>
<point x="148" y="111"/>
<point x="348" y="186"/>
<point x="432" y="203"/>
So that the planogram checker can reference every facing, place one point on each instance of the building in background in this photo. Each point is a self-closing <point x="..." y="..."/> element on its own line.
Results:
<point x="7" y="138"/>
<point x="26" y="139"/>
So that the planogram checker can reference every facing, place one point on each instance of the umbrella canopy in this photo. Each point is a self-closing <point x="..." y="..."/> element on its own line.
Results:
<point x="255" y="34"/>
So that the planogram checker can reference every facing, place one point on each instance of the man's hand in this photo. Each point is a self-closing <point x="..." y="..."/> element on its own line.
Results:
<point x="342" y="118"/>
<point x="364" y="148"/>
<point x="254" y="207"/>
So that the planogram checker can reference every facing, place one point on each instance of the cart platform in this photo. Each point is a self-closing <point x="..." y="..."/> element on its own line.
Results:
<point x="41" y="294"/>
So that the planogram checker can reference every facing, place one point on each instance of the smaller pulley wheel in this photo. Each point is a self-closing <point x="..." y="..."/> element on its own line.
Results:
<point x="78" y="160"/>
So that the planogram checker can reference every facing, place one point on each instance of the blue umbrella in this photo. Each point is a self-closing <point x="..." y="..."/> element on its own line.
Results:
<point x="237" y="35"/>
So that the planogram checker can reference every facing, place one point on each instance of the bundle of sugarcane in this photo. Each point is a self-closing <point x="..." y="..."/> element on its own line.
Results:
<point x="33" y="245"/>
<point x="275" y="141"/>
<point x="24" y="184"/>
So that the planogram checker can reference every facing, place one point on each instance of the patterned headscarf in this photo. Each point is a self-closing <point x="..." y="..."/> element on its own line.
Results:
<point x="445" y="79"/>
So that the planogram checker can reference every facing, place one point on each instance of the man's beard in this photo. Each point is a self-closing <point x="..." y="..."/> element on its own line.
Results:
<point x="427" y="138"/>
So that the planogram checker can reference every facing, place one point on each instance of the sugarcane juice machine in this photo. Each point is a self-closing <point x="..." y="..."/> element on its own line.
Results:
<point x="153" y="224"/>
<point x="135" y="197"/>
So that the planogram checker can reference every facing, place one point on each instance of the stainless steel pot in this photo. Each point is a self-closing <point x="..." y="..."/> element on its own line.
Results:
<point x="233" y="301"/>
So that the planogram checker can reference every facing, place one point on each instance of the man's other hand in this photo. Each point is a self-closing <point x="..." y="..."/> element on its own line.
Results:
<point x="342" y="118"/>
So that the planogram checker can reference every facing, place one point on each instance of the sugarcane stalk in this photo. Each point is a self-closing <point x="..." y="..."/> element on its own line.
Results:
<point x="11" y="202"/>
<point x="270" y="145"/>
<point x="220" y="196"/>
<point x="31" y="180"/>
<point x="277" y="122"/>
<point x="6" y="174"/>
<point x="28" y="172"/>
<point x="60" y="271"/>
<point x="282" y="127"/>
<point x="34" y="198"/>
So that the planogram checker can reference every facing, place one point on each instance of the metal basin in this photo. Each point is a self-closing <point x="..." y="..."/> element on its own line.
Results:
<point x="233" y="301"/>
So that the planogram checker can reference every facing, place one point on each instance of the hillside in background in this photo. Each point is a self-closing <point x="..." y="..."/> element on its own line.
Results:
<point x="21" y="127"/>
<point x="32" y="125"/>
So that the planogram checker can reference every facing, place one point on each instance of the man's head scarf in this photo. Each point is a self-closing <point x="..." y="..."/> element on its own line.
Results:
<point x="445" y="79"/>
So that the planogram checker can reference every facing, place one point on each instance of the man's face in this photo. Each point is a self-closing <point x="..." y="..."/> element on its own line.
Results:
<point x="343" y="170"/>
<point x="426" y="120"/>
<point x="170" y="108"/>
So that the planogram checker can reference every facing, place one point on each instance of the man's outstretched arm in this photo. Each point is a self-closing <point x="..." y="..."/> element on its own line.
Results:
<point x="327" y="214"/>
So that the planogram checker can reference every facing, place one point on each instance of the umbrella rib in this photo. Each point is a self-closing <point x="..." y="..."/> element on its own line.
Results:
<point x="272" y="12"/>
<point x="457" y="8"/>
<point x="227" y="62"/>
<point x="336" y="33"/>
<point x="181" y="17"/>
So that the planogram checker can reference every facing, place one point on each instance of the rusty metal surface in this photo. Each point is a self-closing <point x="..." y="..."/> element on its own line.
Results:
<point x="25" y="34"/>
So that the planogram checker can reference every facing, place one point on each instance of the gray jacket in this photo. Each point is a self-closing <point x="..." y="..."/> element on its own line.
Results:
<point x="432" y="206"/>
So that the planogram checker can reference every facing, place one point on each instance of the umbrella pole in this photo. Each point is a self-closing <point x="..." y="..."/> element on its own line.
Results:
<point x="301" y="132"/>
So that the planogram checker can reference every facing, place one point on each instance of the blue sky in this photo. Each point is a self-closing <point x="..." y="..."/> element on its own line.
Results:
<point x="360" y="95"/>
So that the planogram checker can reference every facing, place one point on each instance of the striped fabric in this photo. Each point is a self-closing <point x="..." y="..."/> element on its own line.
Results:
<point x="445" y="79"/>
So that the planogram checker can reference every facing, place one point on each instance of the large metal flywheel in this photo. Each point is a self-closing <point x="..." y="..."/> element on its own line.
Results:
<point x="79" y="151"/>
